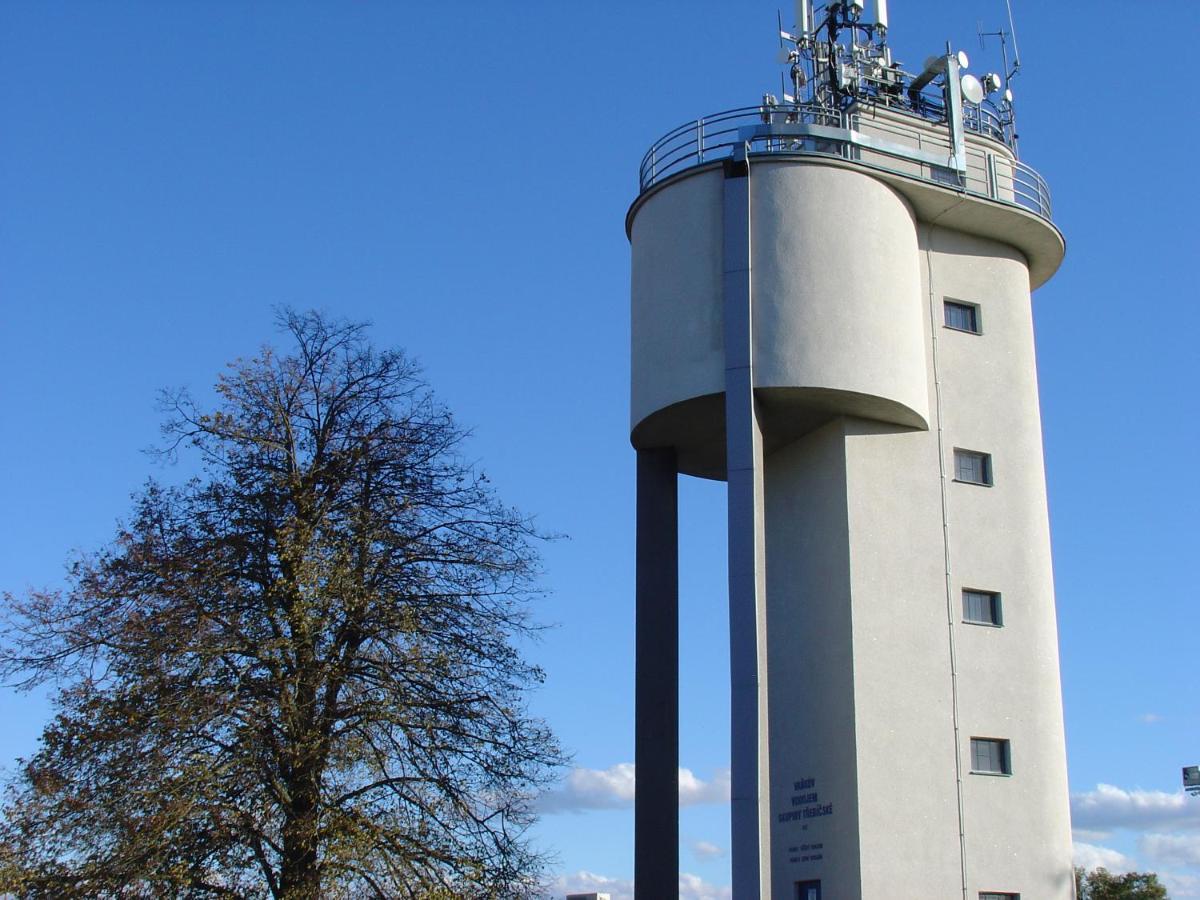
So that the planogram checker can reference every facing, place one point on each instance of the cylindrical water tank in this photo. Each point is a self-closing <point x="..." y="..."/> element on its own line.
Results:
<point x="839" y="319"/>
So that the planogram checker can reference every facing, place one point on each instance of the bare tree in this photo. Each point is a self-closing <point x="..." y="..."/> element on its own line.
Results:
<point x="294" y="676"/>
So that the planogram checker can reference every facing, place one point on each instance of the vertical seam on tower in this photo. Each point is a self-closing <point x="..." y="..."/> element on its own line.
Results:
<point x="937" y="392"/>
<point x="748" y="882"/>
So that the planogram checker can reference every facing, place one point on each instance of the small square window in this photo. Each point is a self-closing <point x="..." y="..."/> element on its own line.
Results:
<point x="981" y="607"/>
<point x="808" y="890"/>
<point x="962" y="316"/>
<point x="990" y="756"/>
<point x="973" y="467"/>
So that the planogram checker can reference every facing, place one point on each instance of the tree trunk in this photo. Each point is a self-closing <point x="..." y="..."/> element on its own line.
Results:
<point x="299" y="876"/>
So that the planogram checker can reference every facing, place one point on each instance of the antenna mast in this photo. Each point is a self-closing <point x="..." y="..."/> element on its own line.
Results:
<point x="839" y="59"/>
<point x="992" y="82"/>
<point x="1012" y="28"/>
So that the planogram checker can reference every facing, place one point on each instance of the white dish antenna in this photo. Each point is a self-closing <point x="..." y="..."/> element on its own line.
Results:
<point x="972" y="89"/>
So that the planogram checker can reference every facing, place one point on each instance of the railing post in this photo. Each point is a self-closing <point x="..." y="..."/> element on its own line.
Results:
<point x="993" y="189"/>
<point x="700" y="139"/>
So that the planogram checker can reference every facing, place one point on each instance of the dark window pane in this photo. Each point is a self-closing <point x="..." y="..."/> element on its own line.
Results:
<point x="962" y="316"/>
<point x="981" y="606"/>
<point x="990" y="756"/>
<point x="972" y="467"/>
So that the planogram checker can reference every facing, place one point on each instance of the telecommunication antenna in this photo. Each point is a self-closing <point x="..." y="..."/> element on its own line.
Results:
<point x="1009" y="73"/>
<point x="838" y="59"/>
<point x="993" y="82"/>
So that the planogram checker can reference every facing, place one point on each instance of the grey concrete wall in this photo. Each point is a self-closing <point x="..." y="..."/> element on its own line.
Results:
<point x="1018" y="828"/>
<point x="906" y="742"/>
<point x="811" y="687"/>
<point x="837" y="287"/>
<point x="838" y="320"/>
<point x="678" y="350"/>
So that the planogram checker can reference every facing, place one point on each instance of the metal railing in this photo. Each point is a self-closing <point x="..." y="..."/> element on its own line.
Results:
<point x="884" y="143"/>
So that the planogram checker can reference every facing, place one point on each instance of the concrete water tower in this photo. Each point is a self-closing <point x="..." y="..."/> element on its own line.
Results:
<point x="831" y="312"/>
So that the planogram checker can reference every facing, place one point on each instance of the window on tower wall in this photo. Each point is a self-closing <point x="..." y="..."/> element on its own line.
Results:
<point x="990" y="756"/>
<point x="962" y="316"/>
<point x="998" y="895"/>
<point x="981" y="607"/>
<point x="972" y="467"/>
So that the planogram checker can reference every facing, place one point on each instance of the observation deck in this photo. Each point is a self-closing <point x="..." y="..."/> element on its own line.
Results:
<point x="911" y="150"/>
<point x="883" y="137"/>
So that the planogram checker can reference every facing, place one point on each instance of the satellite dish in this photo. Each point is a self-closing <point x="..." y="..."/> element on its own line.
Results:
<point x="963" y="59"/>
<point x="1008" y="95"/>
<point x="972" y="89"/>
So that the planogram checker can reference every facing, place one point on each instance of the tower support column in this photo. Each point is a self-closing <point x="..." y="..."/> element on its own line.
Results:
<point x="750" y="771"/>
<point x="656" y="741"/>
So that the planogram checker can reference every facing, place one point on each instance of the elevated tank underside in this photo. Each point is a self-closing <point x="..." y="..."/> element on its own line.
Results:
<point x="696" y="427"/>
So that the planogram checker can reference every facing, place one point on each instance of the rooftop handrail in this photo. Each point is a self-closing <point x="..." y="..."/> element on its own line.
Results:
<point x="811" y="129"/>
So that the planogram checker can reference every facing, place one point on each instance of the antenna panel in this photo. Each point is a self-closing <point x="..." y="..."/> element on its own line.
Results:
<point x="803" y="19"/>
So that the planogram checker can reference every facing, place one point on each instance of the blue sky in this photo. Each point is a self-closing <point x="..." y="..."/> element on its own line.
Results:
<point x="458" y="175"/>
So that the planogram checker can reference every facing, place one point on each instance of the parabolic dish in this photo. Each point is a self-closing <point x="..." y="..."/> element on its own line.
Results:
<point x="972" y="89"/>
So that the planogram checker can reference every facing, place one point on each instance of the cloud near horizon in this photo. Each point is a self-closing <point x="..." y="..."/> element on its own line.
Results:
<point x="613" y="788"/>
<point x="1108" y="808"/>
<point x="1166" y="825"/>
<point x="1092" y="856"/>
<point x="1171" y="849"/>
<point x="691" y="887"/>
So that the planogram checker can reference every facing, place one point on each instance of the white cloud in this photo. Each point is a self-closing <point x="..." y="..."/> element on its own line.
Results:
<point x="1108" y="807"/>
<point x="610" y="788"/>
<point x="613" y="788"/>
<point x="691" y="887"/>
<point x="1181" y="887"/>
<point x="694" y="792"/>
<point x="1171" y="849"/>
<point x="1150" y="718"/>
<point x="1091" y="856"/>
<point x="705" y="850"/>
